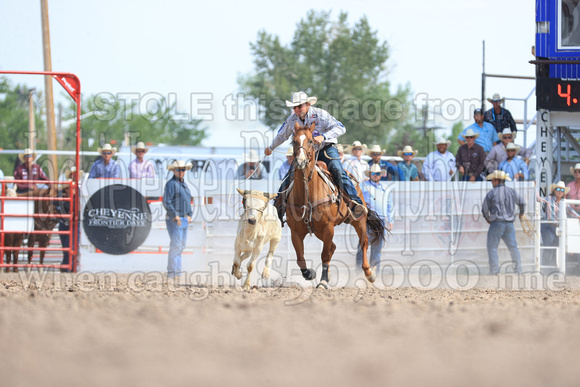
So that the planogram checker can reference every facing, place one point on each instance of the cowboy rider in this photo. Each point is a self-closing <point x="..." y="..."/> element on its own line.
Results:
<point x="325" y="137"/>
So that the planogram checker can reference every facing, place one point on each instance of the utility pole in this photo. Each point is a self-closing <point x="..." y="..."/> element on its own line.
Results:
<point x="50" y="127"/>
<point x="31" y="118"/>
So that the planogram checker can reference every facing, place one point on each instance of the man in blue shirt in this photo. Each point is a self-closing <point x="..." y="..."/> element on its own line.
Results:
<point x="285" y="168"/>
<point x="515" y="168"/>
<point x="379" y="200"/>
<point x="487" y="134"/>
<point x="105" y="167"/>
<point x="391" y="172"/>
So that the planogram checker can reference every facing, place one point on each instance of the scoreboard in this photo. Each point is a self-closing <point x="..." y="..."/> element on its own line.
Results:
<point x="557" y="52"/>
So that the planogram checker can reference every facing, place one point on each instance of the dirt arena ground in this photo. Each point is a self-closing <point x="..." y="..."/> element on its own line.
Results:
<point x="83" y="331"/>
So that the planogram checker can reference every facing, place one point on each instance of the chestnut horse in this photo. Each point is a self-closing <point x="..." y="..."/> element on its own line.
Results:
<point x="313" y="208"/>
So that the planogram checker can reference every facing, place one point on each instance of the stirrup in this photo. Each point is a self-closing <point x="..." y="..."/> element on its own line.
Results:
<point x="357" y="210"/>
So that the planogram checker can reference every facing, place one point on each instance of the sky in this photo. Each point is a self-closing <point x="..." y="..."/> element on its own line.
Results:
<point x="193" y="52"/>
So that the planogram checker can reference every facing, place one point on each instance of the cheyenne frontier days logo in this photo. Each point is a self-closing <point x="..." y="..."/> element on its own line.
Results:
<point x="117" y="219"/>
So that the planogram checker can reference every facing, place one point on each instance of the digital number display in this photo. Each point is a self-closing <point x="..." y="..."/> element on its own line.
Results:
<point x="558" y="95"/>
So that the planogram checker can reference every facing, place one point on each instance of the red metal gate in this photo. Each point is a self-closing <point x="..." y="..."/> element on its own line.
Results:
<point x="72" y="85"/>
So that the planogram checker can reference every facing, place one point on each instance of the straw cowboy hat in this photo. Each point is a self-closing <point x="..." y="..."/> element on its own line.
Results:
<point x="69" y="172"/>
<point x="496" y="98"/>
<point x="511" y="145"/>
<point x="508" y="132"/>
<point x="442" y="140"/>
<point x="501" y="175"/>
<point x="290" y="152"/>
<point x="407" y="149"/>
<point x="27" y="151"/>
<point x="180" y="164"/>
<point x="559" y="184"/>
<point x="375" y="149"/>
<point x="340" y="148"/>
<point x="374" y="169"/>
<point x="107" y="147"/>
<point x="470" y="133"/>
<point x="299" y="98"/>
<point x="574" y="168"/>
<point x="356" y="144"/>
<point x="251" y="156"/>
<point x="139" y="145"/>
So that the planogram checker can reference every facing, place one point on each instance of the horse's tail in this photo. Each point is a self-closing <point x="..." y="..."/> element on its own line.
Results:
<point x="375" y="226"/>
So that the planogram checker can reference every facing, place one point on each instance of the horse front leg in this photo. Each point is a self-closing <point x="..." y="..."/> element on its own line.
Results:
<point x="298" y="243"/>
<point x="328" y="249"/>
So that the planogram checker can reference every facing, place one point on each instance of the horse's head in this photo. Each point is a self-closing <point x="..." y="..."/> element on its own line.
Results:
<point x="255" y="202"/>
<point x="303" y="145"/>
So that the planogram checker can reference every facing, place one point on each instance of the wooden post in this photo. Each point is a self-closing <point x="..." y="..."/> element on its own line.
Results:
<point x="31" y="118"/>
<point x="50" y="127"/>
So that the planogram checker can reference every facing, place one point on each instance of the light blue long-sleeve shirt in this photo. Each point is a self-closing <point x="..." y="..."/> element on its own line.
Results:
<point x="513" y="167"/>
<point x="487" y="135"/>
<point x="379" y="200"/>
<point x="99" y="169"/>
<point x="326" y="125"/>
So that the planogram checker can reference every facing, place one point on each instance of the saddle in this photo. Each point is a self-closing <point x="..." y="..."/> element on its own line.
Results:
<point x="336" y="194"/>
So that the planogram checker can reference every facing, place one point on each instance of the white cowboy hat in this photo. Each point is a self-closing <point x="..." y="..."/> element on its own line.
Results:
<point x="559" y="184"/>
<point x="507" y="131"/>
<point x="511" y="145"/>
<point x="139" y="145"/>
<point x="469" y="133"/>
<point x="496" y="98"/>
<point x="501" y="175"/>
<point x="375" y="149"/>
<point x="69" y="172"/>
<point x="340" y="148"/>
<point x="356" y="144"/>
<point x="27" y="151"/>
<point x="442" y="140"/>
<point x="290" y="152"/>
<point x="107" y="147"/>
<point x="407" y="149"/>
<point x="299" y="98"/>
<point x="180" y="164"/>
<point x="374" y="169"/>
<point x="251" y="156"/>
<point x="574" y="168"/>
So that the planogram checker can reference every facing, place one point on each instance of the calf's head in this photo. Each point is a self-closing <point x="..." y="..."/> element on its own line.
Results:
<point x="254" y="202"/>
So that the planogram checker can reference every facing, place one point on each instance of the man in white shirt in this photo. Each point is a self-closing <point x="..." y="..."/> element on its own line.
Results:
<point x="355" y="163"/>
<point x="439" y="165"/>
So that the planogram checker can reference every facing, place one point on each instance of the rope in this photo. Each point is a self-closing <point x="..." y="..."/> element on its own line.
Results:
<point x="528" y="226"/>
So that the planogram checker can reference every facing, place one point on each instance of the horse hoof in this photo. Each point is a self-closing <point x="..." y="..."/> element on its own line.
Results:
<point x="309" y="274"/>
<point x="322" y="285"/>
<point x="372" y="277"/>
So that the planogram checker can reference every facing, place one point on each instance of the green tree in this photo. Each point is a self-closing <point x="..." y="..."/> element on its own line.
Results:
<point x="109" y="119"/>
<point x="14" y="121"/>
<point x="344" y="66"/>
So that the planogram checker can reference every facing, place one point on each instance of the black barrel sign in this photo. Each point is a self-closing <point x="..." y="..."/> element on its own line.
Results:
<point x="117" y="219"/>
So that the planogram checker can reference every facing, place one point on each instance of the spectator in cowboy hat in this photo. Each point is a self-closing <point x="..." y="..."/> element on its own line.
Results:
<point x="374" y="195"/>
<point x="251" y="165"/>
<point x="408" y="170"/>
<point x="497" y="153"/>
<point x="391" y="172"/>
<point x="515" y="168"/>
<point x="327" y="130"/>
<point x="550" y="214"/>
<point x="487" y="137"/>
<point x="287" y="164"/>
<point x="470" y="158"/>
<point x="139" y="167"/>
<point x="574" y="191"/>
<point x="105" y="167"/>
<point x="28" y="170"/>
<point x="499" y="117"/>
<point x="355" y="164"/>
<point x="177" y="204"/>
<point x="498" y="209"/>
<point x="439" y="165"/>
